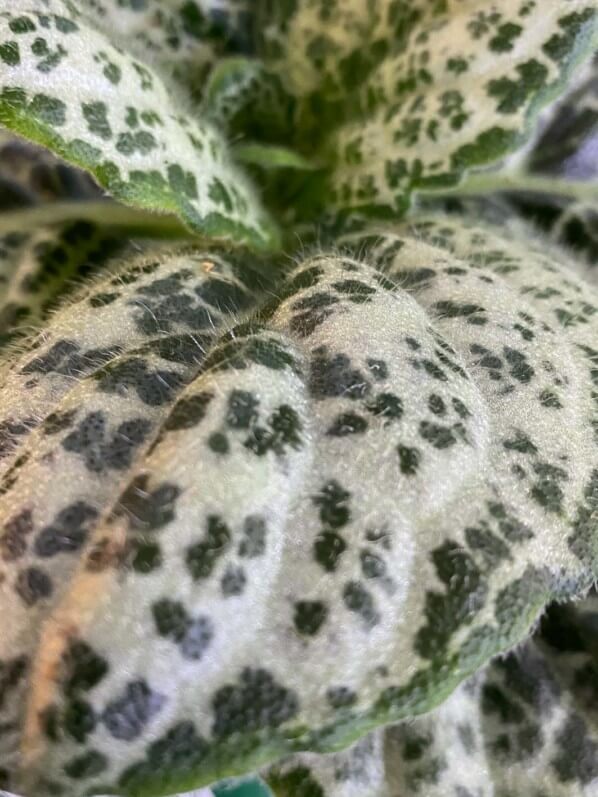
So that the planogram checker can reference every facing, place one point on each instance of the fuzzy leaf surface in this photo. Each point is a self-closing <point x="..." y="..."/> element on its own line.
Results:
<point x="365" y="477"/>
<point x="528" y="721"/>
<point x="460" y="92"/>
<point x="123" y="124"/>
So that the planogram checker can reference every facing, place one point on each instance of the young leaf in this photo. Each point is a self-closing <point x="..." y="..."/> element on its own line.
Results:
<point x="247" y="101"/>
<point x="232" y="85"/>
<point x="460" y="94"/>
<point x="272" y="157"/>
<point x="278" y="537"/>
<point x="123" y="124"/>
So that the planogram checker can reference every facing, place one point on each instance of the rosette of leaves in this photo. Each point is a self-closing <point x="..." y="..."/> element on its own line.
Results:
<point x="299" y="397"/>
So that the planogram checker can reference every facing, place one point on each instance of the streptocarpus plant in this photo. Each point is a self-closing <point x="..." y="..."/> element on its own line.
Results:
<point x="299" y="416"/>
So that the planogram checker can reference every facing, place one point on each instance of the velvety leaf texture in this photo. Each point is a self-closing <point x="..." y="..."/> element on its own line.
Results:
<point x="524" y="725"/>
<point x="298" y="398"/>
<point x="459" y="91"/>
<point x="122" y="123"/>
<point x="448" y="369"/>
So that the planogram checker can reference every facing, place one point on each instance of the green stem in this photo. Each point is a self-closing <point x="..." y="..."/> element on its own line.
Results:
<point x="130" y="221"/>
<point x="491" y="182"/>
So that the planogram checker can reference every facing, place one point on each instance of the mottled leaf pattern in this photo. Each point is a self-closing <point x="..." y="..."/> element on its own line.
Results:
<point x="297" y="515"/>
<point x="184" y="36"/>
<point x="527" y="724"/>
<point x="219" y="486"/>
<point x="122" y="124"/>
<point x="134" y="340"/>
<point x="566" y="143"/>
<point x="461" y="94"/>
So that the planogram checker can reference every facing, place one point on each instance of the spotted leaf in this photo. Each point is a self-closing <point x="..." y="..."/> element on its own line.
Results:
<point x="184" y="38"/>
<point x="123" y="124"/>
<point x="458" y="91"/>
<point x="365" y="476"/>
<point x="526" y="722"/>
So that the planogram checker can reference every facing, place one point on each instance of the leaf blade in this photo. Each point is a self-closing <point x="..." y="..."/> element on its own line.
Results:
<point x="122" y="125"/>
<point x="467" y="99"/>
<point x="303" y="419"/>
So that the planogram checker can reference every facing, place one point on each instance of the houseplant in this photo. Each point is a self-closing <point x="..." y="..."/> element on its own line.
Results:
<point x="312" y="441"/>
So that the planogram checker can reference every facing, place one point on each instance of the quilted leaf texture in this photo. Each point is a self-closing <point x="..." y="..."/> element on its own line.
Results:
<point x="226" y="544"/>
<point x="123" y="123"/>
<point x="527" y="724"/>
<point x="135" y="340"/>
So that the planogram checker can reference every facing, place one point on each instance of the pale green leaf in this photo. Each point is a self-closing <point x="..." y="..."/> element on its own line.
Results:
<point x="461" y="93"/>
<point x="272" y="157"/>
<point x="64" y="85"/>
<point x="245" y="542"/>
